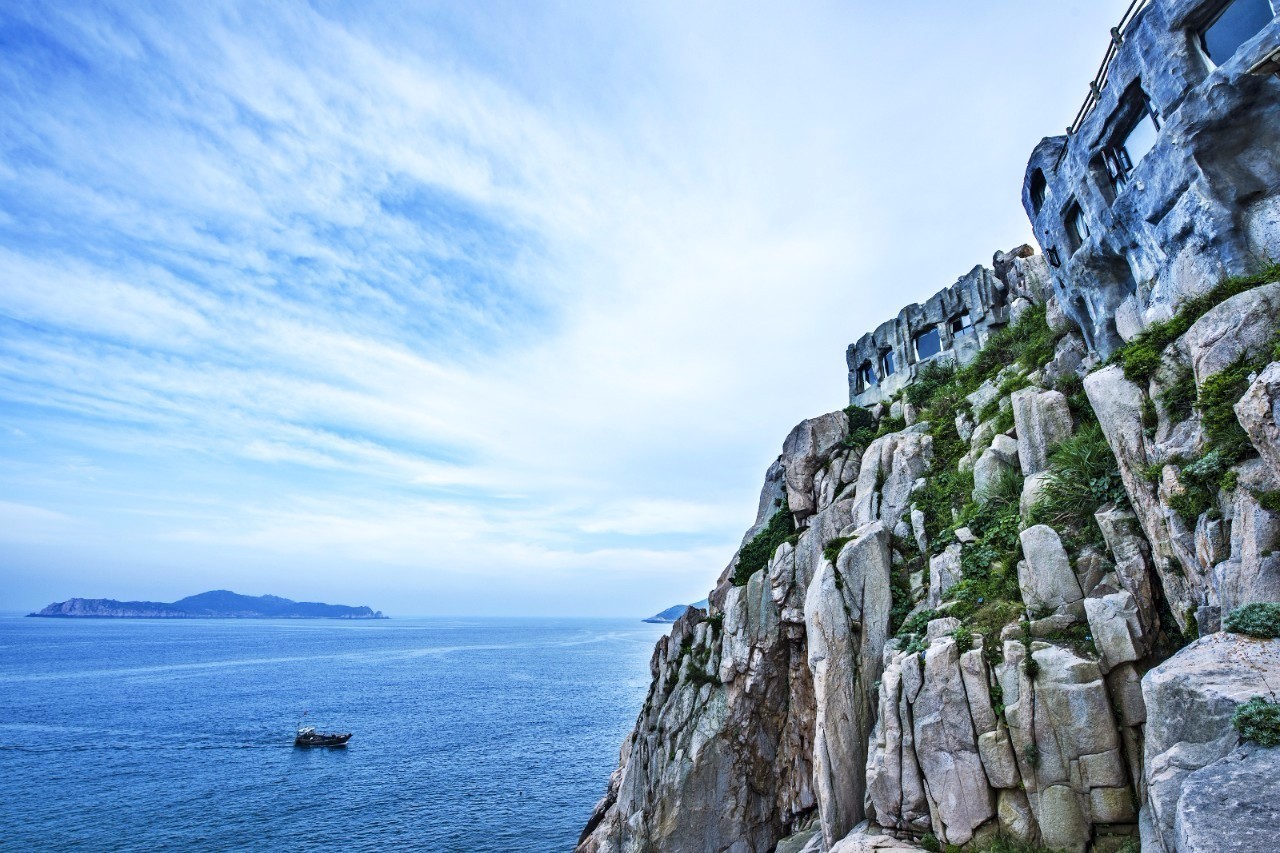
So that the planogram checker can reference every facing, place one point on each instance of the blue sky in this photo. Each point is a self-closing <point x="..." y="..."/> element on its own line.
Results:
<point x="469" y="308"/>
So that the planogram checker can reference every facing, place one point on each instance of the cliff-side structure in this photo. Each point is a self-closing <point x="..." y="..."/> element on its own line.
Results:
<point x="1026" y="588"/>
<point x="1168" y="180"/>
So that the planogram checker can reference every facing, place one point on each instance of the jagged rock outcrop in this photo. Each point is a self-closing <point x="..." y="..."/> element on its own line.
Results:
<point x="847" y="623"/>
<point x="985" y="621"/>
<point x="1190" y="699"/>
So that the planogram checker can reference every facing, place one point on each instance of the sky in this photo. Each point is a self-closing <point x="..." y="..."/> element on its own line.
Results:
<point x="497" y="308"/>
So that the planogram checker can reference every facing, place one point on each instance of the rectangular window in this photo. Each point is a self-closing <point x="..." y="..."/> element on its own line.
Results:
<point x="867" y="376"/>
<point x="1137" y="136"/>
<point x="928" y="344"/>
<point x="886" y="362"/>
<point x="961" y="325"/>
<point x="1239" y="21"/>
<point x="1077" y="227"/>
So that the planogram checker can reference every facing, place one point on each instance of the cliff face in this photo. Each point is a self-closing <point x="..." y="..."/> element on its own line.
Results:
<point x="983" y="623"/>
<point x="1033" y="592"/>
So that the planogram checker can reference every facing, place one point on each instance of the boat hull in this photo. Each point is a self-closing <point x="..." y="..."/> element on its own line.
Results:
<point x="331" y="740"/>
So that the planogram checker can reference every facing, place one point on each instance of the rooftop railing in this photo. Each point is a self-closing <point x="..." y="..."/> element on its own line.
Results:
<point x="1095" y="88"/>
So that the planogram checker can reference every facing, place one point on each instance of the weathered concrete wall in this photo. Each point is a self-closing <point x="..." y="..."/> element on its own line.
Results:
<point x="1203" y="203"/>
<point x="963" y="314"/>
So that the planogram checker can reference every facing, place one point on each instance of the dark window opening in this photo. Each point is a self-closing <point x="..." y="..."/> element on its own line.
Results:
<point x="1239" y="21"/>
<point x="1052" y="256"/>
<point x="928" y="344"/>
<point x="1077" y="227"/>
<point x="1139" y="130"/>
<point x="867" y="376"/>
<point x="886" y="362"/>
<point x="962" y="325"/>
<point x="1039" y="190"/>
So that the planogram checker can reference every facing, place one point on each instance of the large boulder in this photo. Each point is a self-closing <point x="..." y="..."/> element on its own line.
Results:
<point x="1190" y="699"/>
<point x="1045" y="577"/>
<point x="1042" y="420"/>
<point x="890" y="469"/>
<point x="947" y="748"/>
<point x="807" y="446"/>
<point x="1243" y="325"/>
<point x="1257" y="412"/>
<point x="1232" y="805"/>
<point x="846" y="613"/>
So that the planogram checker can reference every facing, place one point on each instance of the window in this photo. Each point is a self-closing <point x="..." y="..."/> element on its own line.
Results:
<point x="928" y="344"/>
<point x="1239" y="21"/>
<point x="1039" y="190"/>
<point x="1077" y="227"/>
<point x="961" y="325"/>
<point x="867" y="376"/>
<point x="886" y="362"/>
<point x="1139" y="131"/>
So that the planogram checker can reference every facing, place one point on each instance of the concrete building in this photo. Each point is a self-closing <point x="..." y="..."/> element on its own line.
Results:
<point x="1168" y="179"/>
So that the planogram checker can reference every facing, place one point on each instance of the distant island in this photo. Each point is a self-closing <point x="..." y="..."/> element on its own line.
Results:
<point x="674" y="612"/>
<point x="218" y="604"/>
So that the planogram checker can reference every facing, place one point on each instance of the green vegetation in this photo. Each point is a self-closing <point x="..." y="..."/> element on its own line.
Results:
<point x="862" y="427"/>
<point x="1028" y="342"/>
<point x="963" y="637"/>
<point x="1083" y="475"/>
<point x="1141" y="356"/>
<point x="1269" y="501"/>
<point x="755" y="555"/>
<point x="1259" y="721"/>
<point x="935" y="377"/>
<point x="834" y="547"/>
<point x="1259" y="619"/>
<point x="1179" y="396"/>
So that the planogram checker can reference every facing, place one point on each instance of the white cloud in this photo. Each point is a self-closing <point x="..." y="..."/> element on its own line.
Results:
<point x="353" y="291"/>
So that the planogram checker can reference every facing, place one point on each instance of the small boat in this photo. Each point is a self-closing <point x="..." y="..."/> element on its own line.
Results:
<point x="308" y="736"/>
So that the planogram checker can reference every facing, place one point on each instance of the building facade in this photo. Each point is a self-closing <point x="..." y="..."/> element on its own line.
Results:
<point x="1169" y="178"/>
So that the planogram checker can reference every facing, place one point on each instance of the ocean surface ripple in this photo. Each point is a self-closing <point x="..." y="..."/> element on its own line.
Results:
<point x="470" y="734"/>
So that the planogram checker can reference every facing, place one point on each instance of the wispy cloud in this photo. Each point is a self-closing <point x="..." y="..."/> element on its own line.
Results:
<point x="513" y="302"/>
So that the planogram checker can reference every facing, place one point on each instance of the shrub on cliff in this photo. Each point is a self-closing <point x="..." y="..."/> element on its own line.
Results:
<point x="1259" y="721"/>
<point x="1259" y="619"/>
<point x="1141" y="356"/>
<point x="755" y="555"/>
<point x="1083" y="475"/>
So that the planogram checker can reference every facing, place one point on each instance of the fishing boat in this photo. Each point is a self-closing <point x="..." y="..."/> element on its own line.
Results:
<point x="308" y="736"/>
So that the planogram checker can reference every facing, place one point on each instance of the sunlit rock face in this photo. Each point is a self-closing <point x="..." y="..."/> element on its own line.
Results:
<point x="1171" y="181"/>
<point x="1079" y="712"/>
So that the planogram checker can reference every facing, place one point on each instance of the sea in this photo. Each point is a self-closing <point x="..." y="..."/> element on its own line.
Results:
<point x="469" y="734"/>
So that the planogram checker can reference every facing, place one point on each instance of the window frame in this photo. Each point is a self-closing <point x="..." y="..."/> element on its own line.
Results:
<point x="1201" y="31"/>
<point x="1072" y="220"/>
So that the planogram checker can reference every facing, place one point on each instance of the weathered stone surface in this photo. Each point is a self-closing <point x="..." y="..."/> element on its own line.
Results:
<point x="1042" y="420"/>
<point x="1118" y="404"/>
<point x="998" y="760"/>
<point x="1189" y="702"/>
<point x="890" y="468"/>
<point x="1016" y="818"/>
<point x="807" y="446"/>
<point x="846" y="623"/>
<point x="1231" y="805"/>
<point x="1243" y="325"/>
<point x="1199" y="205"/>
<point x="944" y="573"/>
<point x="947" y="748"/>
<point x="1257" y="412"/>
<point x="1252" y="573"/>
<point x="989" y="472"/>
<point x="1045" y="576"/>
<point x="862" y="841"/>
<point x="1117" y="632"/>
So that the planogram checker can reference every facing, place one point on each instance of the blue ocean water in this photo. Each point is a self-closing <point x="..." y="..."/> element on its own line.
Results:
<point x="470" y="735"/>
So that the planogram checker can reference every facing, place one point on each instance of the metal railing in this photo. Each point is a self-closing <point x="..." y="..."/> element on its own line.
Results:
<point x="1095" y="88"/>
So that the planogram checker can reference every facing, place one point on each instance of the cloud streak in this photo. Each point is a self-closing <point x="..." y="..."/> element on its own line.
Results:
<point x="482" y="309"/>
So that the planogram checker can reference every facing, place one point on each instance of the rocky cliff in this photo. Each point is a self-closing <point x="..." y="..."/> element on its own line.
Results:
<point x="973" y="613"/>
<point x="1026" y="596"/>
